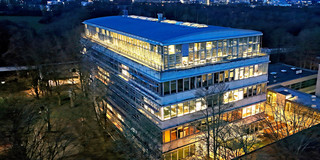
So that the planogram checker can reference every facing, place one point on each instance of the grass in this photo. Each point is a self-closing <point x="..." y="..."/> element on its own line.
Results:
<point x="32" y="21"/>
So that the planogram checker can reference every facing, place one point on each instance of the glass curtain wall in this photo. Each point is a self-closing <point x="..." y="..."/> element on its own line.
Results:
<point x="170" y="57"/>
<point x="198" y="104"/>
<point x="185" y="84"/>
<point x="143" y="52"/>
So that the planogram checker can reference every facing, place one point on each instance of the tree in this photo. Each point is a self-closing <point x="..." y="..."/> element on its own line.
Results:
<point x="213" y="129"/>
<point x="240" y="141"/>
<point x="285" y="118"/>
<point x="30" y="133"/>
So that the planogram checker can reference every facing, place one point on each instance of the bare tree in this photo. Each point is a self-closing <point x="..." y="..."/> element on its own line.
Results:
<point x="54" y="144"/>
<point x="240" y="141"/>
<point x="285" y="118"/>
<point x="213" y="129"/>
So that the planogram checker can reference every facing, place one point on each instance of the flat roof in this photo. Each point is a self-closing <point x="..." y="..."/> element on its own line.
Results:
<point x="299" y="97"/>
<point x="166" y="33"/>
<point x="282" y="72"/>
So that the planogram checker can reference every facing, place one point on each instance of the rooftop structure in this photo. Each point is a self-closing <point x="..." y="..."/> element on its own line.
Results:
<point x="162" y="44"/>
<point x="166" y="32"/>
<point x="292" y="77"/>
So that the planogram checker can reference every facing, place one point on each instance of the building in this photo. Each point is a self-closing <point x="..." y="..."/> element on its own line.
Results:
<point x="296" y="78"/>
<point x="291" y="96"/>
<point x="298" y="113"/>
<point x="149" y="70"/>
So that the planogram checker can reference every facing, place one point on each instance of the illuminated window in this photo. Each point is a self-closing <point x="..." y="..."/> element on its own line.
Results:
<point x="226" y="97"/>
<point x="221" y="76"/>
<point x="186" y="131"/>
<point x="180" y="109"/>
<point x="125" y="73"/>
<point x="260" y="69"/>
<point x="226" y="76"/>
<point x="258" y="89"/>
<point x="173" y="134"/>
<point x="198" y="105"/>
<point x="254" y="90"/>
<point x="241" y="74"/>
<point x="166" y="112"/>
<point x="251" y="71"/>
<point x="204" y="80"/>
<point x="246" y="72"/>
<point x="247" y="111"/>
<point x="166" y="136"/>
<point x="231" y="74"/>
<point x="257" y="109"/>
<point x="236" y="74"/>
<point x="210" y="79"/>
<point x="256" y="70"/>
<point x="185" y="108"/>
<point x="219" y="52"/>
<point x="245" y="92"/>
<point x="192" y="106"/>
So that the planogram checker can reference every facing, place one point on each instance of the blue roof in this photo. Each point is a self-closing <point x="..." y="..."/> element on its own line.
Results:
<point x="166" y="33"/>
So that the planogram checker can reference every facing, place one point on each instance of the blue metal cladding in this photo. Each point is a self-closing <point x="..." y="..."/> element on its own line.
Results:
<point x="185" y="50"/>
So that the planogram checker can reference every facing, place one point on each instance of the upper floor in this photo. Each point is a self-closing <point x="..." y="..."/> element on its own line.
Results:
<point x="163" y="45"/>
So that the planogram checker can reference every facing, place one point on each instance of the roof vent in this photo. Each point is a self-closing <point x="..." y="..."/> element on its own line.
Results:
<point x="293" y="68"/>
<point x="283" y="71"/>
<point x="313" y="106"/>
<point x="273" y="73"/>
<point x="125" y="13"/>
<point x="313" y="98"/>
<point x="160" y="17"/>
<point x="299" y="71"/>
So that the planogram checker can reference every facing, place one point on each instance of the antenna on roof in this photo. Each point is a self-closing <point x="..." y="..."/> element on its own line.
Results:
<point x="125" y="13"/>
<point x="160" y="17"/>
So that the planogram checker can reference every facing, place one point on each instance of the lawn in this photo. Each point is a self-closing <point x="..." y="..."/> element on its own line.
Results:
<point x="32" y="21"/>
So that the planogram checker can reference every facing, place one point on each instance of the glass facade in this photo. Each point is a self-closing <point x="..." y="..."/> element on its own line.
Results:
<point x="180" y="153"/>
<point x="221" y="50"/>
<point x="195" y="127"/>
<point x="162" y="58"/>
<point x="186" y="107"/>
<point x="198" y="104"/>
<point x="252" y="110"/>
<point x="135" y="97"/>
<point x="143" y="52"/>
<point x="304" y="84"/>
<point x="128" y="73"/>
<point x="185" y="84"/>
<point x="110" y="79"/>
